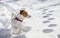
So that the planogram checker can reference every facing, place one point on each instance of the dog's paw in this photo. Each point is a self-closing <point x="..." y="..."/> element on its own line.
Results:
<point x="26" y="29"/>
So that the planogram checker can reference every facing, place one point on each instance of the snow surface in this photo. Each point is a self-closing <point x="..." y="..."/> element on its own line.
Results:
<point x="44" y="13"/>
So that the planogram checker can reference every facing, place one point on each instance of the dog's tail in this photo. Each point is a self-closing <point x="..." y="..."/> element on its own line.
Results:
<point x="13" y="15"/>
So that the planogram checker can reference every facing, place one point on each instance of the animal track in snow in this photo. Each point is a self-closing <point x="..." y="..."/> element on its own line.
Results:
<point x="58" y="36"/>
<point x="51" y="18"/>
<point x="48" y="30"/>
<point x="52" y="25"/>
<point x="46" y="21"/>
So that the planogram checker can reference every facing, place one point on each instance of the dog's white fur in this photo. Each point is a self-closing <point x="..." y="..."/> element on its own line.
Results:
<point x="17" y="27"/>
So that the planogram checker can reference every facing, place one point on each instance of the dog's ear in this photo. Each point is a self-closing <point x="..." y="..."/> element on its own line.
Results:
<point x="24" y="13"/>
<point x="21" y="11"/>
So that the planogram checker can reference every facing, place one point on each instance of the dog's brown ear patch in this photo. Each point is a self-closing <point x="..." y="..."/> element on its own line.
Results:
<point x="24" y="13"/>
<point x="21" y="11"/>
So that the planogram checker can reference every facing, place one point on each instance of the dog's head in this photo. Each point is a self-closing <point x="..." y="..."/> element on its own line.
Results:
<point x="24" y="13"/>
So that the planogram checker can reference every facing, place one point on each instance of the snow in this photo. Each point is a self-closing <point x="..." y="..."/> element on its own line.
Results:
<point x="40" y="10"/>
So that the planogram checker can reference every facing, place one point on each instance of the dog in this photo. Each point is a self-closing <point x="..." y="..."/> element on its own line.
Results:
<point x="17" y="26"/>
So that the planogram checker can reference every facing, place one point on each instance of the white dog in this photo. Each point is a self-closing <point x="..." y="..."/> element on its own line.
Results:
<point x="17" y="26"/>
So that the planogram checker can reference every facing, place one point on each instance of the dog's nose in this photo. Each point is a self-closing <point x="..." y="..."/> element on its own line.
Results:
<point x="29" y="16"/>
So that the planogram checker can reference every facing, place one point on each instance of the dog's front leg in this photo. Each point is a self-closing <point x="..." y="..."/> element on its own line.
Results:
<point x="17" y="30"/>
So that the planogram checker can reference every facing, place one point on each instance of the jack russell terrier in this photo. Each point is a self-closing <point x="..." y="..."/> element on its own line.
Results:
<point x="17" y="26"/>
